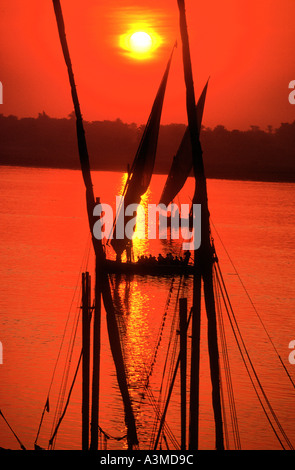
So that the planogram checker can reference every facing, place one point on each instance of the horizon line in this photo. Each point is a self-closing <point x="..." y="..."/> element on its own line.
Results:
<point x="68" y="117"/>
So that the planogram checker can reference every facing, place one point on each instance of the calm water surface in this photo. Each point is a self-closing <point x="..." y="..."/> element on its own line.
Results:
<point x="44" y="247"/>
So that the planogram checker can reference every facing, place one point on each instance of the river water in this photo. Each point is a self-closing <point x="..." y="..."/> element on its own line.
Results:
<point x="44" y="247"/>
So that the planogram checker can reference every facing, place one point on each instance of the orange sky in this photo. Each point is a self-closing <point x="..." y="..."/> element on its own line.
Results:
<point x="245" y="46"/>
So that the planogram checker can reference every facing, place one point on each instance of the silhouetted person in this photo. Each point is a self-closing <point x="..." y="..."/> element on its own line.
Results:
<point x="129" y="252"/>
<point x="187" y="255"/>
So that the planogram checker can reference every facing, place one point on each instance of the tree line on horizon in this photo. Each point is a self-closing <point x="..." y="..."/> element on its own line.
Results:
<point x="254" y="154"/>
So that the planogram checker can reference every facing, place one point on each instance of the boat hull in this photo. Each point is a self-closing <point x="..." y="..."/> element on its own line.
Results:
<point x="152" y="269"/>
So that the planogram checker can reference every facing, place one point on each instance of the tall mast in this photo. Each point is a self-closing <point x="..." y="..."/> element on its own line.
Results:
<point x="183" y="368"/>
<point x="86" y="289"/>
<point x="102" y="286"/>
<point x="203" y="261"/>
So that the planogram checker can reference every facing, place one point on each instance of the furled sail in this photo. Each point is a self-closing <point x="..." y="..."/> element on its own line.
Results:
<point x="182" y="162"/>
<point x="143" y="165"/>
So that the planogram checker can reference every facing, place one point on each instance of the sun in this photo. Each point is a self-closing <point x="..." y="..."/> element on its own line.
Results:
<point x="140" y="43"/>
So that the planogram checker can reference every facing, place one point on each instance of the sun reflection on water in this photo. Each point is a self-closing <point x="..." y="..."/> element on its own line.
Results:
<point x="140" y="240"/>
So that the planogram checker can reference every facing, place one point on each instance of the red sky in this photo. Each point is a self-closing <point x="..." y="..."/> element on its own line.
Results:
<point x="245" y="46"/>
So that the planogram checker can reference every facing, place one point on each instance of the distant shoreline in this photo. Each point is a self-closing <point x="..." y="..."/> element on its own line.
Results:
<point x="209" y="177"/>
<point x="45" y="142"/>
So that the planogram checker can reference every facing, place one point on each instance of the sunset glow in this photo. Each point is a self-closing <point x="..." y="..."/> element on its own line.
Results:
<point x="245" y="50"/>
<point x="147" y="225"/>
<point x="140" y="44"/>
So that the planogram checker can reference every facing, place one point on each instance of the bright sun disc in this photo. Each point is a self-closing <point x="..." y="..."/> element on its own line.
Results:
<point x="140" y="42"/>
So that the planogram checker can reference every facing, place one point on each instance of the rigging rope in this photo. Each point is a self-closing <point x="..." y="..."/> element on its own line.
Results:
<point x="160" y="333"/>
<point x="83" y="266"/>
<point x="236" y="330"/>
<point x="67" y="367"/>
<point x="226" y="361"/>
<point x="254" y="308"/>
<point x="170" y="391"/>
<point x="225" y="427"/>
<point x="166" y="428"/>
<point x="146" y="386"/>
<point x="51" y="440"/>
<point x="18" y="440"/>
<point x="170" y="342"/>
<point x="147" y="372"/>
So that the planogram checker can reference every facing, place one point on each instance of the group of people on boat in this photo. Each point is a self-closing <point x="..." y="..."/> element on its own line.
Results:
<point x="169" y="259"/>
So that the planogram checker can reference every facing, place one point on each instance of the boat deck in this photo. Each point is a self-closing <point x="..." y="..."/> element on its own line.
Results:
<point x="153" y="268"/>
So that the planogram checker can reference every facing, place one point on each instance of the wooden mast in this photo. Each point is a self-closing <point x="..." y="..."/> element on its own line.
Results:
<point x="203" y="261"/>
<point x="183" y="366"/>
<point x="96" y="361"/>
<point x="86" y="289"/>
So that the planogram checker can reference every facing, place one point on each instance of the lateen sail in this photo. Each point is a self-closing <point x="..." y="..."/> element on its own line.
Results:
<point x="143" y="165"/>
<point x="182" y="162"/>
